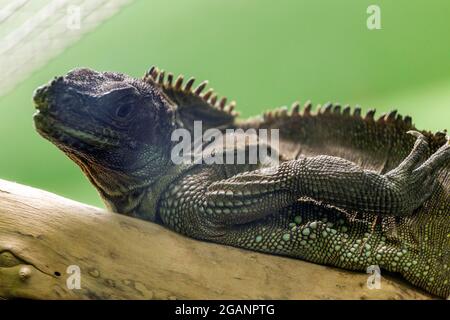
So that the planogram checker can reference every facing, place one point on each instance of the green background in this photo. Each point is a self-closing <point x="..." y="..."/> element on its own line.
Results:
<point x="263" y="54"/>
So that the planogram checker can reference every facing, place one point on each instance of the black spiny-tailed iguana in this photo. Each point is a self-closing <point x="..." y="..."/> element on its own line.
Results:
<point x="350" y="191"/>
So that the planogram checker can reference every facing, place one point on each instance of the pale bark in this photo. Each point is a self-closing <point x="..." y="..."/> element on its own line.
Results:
<point x="42" y="234"/>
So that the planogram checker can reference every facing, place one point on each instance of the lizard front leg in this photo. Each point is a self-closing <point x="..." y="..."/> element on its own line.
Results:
<point x="334" y="181"/>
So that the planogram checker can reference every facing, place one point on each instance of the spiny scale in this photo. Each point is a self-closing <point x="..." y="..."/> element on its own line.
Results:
<point x="189" y="84"/>
<point x="346" y="111"/>
<point x="382" y="118"/>
<point x="408" y="120"/>
<point x="295" y="108"/>
<point x="370" y="115"/>
<point x="207" y="94"/>
<point x="200" y="87"/>
<point x="230" y="106"/>
<point x="161" y="77"/>
<point x="213" y="99"/>
<point x="169" y="78"/>
<point x="158" y="77"/>
<point x="308" y="107"/>
<point x="210" y="97"/>
<point x="281" y="112"/>
<point x="179" y="82"/>
<point x="329" y="109"/>
<point x="222" y="102"/>
<point x="337" y="109"/>
<point x="391" y="116"/>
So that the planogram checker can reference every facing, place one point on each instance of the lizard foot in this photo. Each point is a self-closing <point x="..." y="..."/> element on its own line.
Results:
<point x="415" y="178"/>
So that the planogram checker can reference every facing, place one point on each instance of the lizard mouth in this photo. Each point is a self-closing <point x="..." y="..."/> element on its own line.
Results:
<point x="71" y="136"/>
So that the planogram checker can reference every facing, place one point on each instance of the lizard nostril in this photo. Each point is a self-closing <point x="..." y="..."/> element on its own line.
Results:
<point x="56" y="80"/>
<point x="40" y="97"/>
<point x="41" y="94"/>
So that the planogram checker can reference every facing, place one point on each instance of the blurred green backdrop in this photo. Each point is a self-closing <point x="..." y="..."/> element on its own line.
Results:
<point x="262" y="53"/>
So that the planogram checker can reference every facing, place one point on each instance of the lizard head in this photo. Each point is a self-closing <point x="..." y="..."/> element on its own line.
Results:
<point x="116" y="128"/>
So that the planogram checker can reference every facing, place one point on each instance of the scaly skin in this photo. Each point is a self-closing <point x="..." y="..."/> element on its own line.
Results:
<point x="321" y="208"/>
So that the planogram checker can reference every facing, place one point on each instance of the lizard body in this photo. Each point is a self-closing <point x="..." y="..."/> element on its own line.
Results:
<point x="350" y="191"/>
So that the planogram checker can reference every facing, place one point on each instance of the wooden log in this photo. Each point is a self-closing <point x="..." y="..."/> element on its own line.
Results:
<point x="42" y="235"/>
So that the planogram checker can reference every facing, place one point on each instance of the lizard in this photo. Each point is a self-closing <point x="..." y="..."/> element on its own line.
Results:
<point x="349" y="191"/>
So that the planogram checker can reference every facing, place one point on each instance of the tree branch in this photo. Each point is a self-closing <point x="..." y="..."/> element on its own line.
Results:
<point x="42" y="234"/>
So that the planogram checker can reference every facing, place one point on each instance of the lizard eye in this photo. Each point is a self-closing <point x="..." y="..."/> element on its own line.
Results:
<point x="124" y="110"/>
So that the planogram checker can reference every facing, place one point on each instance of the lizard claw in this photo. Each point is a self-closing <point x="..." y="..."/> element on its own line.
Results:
<point x="418" y="152"/>
<point x="438" y="160"/>
<point x="415" y="180"/>
<point x="415" y="133"/>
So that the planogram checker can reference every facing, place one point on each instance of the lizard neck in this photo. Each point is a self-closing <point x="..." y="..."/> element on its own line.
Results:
<point x="147" y="207"/>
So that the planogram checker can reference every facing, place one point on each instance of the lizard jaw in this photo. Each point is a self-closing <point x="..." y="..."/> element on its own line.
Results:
<point x="68" y="137"/>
